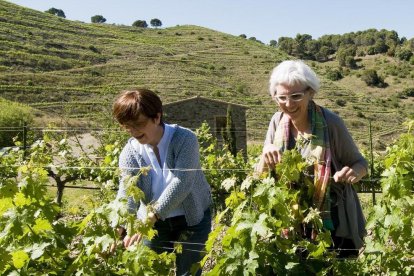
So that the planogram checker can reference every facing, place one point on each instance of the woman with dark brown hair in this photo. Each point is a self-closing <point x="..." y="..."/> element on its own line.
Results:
<point x="175" y="186"/>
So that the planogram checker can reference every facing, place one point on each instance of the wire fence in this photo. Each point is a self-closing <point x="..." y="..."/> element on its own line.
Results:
<point x="367" y="185"/>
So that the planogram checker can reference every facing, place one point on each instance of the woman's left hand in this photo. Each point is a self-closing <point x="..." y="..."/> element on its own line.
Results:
<point x="152" y="218"/>
<point x="348" y="175"/>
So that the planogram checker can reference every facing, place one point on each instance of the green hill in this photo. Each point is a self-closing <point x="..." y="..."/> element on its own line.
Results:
<point x="73" y="70"/>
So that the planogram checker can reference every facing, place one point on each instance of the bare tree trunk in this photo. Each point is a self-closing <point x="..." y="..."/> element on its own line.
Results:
<point x="60" y="187"/>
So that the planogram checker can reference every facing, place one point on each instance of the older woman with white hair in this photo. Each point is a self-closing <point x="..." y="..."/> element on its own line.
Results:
<point x="339" y="164"/>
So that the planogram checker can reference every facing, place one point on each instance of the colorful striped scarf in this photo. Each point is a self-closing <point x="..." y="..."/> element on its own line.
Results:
<point x="317" y="152"/>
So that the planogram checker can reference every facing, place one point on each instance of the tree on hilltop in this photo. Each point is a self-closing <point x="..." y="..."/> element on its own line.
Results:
<point x="155" y="22"/>
<point x="56" y="12"/>
<point x="140" y="23"/>
<point x="98" y="19"/>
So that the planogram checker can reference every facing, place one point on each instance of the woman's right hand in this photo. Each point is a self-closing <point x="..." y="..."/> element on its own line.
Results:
<point x="120" y="231"/>
<point x="271" y="155"/>
<point x="126" y="240"/>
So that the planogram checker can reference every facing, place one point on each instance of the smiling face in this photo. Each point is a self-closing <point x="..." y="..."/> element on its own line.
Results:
<point x="295" y="107"/>
<point x="146" y="130"/>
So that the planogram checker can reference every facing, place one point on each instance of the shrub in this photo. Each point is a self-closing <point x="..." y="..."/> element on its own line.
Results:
<point x="340" y="102"/>
<point x="404" y="54"/>
<point x="371" y="78"/>
<point x="241" y="88"/>
<point x="371" y="51"/>
<point x="408" y="92"/>
<point x="360" y="114"/>
<point x="93" y="49"/>
<point x="334" y="74"/>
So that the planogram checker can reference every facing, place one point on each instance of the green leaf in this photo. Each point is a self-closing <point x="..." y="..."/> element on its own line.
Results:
<point x="291" y="266"/>
<point x="260" y="227"/>
<point x="246" y="183"/>
<point x="104" y="242"/>
<point x="20" y="258"/>
<point x="228" y="183"/>
<point x="38" y="250"/>
<point x="234" y="199"/>
<point x="5" y="204"/>
<point x="41" y="225"/>
<point x="21" y="200"/>
<point x="8" y="189"/>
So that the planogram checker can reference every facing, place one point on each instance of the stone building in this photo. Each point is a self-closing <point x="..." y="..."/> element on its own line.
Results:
<point x="192" y="112"/>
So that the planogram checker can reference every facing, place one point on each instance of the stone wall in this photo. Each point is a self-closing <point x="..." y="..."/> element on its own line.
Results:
<point x="191" y="113"/>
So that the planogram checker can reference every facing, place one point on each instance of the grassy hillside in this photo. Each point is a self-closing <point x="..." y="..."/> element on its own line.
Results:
<point x="73" y="70"/>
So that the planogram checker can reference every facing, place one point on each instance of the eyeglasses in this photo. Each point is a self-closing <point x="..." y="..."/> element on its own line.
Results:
<point x="296" y="97"/>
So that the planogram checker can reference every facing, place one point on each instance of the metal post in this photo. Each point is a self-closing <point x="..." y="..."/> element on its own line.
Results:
<point x="372" y="163"/>
<point x="24" y="139"/>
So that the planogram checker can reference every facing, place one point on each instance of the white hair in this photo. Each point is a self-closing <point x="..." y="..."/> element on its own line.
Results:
<point x="292" y="72"/>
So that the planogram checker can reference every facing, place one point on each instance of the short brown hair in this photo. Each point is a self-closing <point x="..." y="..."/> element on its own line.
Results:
<point x="131" y="103"/>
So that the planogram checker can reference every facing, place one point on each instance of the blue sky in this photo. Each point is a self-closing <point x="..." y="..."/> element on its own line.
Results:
<point x="263" y="19"/>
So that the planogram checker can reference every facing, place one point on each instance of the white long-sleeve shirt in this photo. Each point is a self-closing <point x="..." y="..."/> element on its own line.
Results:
<point x="161" y="175"/>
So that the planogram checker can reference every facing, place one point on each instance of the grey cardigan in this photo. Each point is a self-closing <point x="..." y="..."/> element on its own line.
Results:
<point x="189" y="188"/>
<point x="344" y="153"/>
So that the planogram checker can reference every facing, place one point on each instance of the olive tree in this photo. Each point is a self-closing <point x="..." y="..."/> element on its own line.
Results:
<point x="345" y="56"/>
<point x="56" y="12"/>
<point x="98" y="19"/>
<point x="140" y="24"/>
<point x="155" y="22"/>
<point x="273" y="43"/>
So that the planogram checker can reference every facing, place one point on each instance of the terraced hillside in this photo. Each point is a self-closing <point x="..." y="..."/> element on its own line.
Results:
<point x="73" y="70"/>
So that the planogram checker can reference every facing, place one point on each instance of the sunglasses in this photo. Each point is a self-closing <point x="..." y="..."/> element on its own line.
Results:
<point x="296" y="97"/>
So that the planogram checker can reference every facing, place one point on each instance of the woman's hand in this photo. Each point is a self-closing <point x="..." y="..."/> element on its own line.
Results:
<point x="128" y="241"/>
<point x="121" y="232"/>
<point x="136" y="238"/>
<point x="349" y="175"/>
<point x="152" y="218"/>
<point x="271" y="155"/>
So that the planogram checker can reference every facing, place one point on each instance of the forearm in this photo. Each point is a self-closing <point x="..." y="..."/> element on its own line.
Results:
<point x="175" y="193"/>
<point x="360" y="170"/>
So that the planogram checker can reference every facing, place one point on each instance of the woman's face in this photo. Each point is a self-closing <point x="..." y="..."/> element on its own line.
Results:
<point x="293" y="100"/>
<point x="146" y="130"/>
